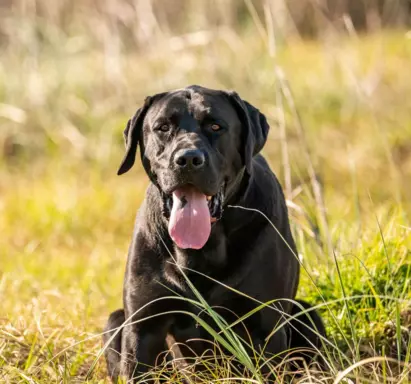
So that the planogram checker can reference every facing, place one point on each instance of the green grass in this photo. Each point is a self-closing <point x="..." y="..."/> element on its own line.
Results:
<point x="66" y="218"/>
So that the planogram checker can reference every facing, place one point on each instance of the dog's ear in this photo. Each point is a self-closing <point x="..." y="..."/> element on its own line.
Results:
<point x="131" y="136"/>
<point x="255" y="126"/>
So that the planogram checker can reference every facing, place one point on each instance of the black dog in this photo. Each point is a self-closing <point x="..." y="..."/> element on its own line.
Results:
<point x="200" y="149"/>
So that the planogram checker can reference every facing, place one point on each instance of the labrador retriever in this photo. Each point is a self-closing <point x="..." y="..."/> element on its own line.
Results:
<point x="214" y="218"/>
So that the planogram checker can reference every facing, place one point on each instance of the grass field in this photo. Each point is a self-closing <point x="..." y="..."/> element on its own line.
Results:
<point x="340" y="142"/>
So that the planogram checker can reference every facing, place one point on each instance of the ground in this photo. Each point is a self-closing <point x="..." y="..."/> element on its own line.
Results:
<point x="340" y="142"/>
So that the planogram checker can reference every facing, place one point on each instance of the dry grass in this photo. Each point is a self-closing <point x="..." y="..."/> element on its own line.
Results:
<point x="340" y="139"/>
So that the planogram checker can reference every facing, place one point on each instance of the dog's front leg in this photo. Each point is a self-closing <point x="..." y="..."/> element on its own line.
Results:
<point x="142" y="347"/>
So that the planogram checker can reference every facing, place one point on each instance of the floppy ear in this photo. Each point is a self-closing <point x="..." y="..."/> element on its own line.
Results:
<point x="255" y="126"/>
<point x="131" y="136"/>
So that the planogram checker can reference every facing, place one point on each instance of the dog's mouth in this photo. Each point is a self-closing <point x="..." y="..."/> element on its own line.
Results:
<point x="191" y="214"/>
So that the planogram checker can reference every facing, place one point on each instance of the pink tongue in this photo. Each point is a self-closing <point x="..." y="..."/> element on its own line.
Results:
<point x="190" y="223"/>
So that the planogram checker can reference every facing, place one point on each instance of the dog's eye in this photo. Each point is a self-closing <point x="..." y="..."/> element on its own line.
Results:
<point x="164" y="128"/>
<point x="215" y="127"/>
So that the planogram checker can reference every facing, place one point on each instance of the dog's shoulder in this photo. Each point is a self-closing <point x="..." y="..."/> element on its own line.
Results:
<point x="266" y="191"/>
<point x="265" y="181"/>
<point x="149" y="222"/>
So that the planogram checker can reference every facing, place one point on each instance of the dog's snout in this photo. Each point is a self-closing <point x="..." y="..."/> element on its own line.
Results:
<point x="189" y="158"/>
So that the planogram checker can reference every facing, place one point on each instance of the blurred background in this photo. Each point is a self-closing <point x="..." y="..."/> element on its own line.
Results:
<point x="72" y="72"/>
<point x="333" y="78"/>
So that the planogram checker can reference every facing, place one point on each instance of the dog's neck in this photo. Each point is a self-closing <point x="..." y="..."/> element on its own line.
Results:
<point x="237" y="189"/>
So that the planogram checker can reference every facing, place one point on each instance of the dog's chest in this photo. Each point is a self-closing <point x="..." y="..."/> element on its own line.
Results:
<point x="198" y="265"/>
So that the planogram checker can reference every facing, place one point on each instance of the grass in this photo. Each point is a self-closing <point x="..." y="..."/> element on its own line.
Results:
<point x="66" y="218"/>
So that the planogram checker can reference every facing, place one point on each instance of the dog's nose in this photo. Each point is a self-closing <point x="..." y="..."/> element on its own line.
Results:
<point x="189" y="158"/>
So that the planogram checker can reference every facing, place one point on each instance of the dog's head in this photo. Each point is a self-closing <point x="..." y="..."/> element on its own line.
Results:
<point x="194" y="143"/>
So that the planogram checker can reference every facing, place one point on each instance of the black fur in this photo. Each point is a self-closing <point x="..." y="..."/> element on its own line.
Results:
<point x="243" y="251"/>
